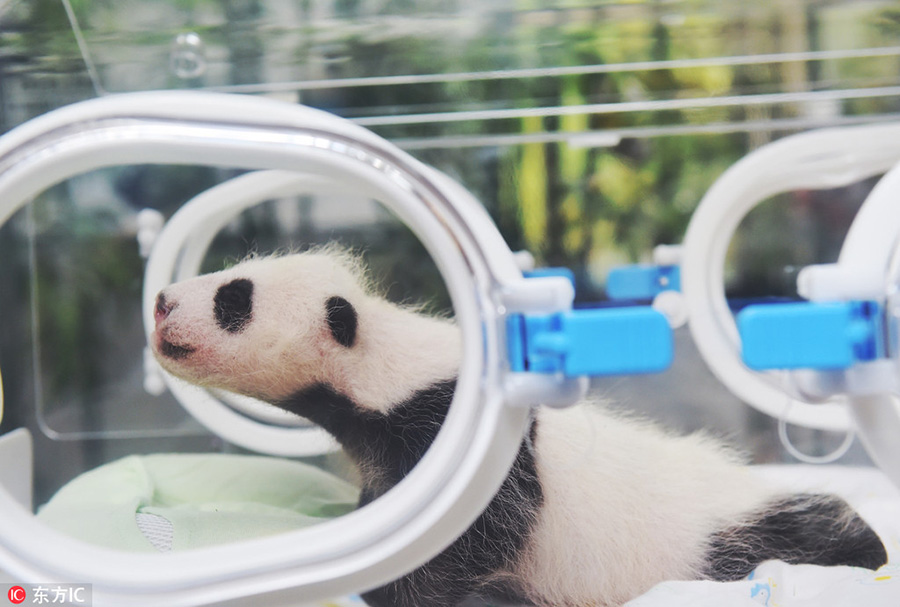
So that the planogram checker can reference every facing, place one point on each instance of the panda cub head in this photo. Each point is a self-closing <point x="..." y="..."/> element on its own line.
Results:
<point x="273" y="327"/>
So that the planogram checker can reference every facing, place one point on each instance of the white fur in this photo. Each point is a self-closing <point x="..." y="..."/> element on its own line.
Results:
<point x="625" y="506"/>
<point x="288" y="346"/>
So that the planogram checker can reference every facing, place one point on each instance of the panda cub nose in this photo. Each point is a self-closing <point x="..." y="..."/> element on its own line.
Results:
<point x="163" y="308"/>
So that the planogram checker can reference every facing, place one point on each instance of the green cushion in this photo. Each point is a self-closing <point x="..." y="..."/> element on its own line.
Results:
<point x="208" y="498"/>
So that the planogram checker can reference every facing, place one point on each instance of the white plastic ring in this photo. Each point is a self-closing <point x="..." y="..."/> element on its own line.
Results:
<point x="477" y="443"/>
<point x="839" y="452"/>
<point x="874" y="242"/>
<point x="816" y="160"/>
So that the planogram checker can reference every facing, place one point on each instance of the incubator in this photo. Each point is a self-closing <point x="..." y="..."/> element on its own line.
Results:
<point x="527" y="343"/>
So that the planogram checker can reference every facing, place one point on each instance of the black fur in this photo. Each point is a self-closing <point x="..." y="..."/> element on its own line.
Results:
<point x="174" y="352"/>
<point x="389" y="445"/>
<point x="342" y="320"/>
<point x="233" y="305"/>
<point x="802" y="528"/>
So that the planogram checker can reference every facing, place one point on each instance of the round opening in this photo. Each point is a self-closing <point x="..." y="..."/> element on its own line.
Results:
<point x="477" y="442"/>
<point x="272" y="212"/>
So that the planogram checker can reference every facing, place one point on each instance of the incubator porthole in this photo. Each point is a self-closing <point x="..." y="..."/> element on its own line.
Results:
<point x="280" y="215"/>
<point x="476" y="443"/>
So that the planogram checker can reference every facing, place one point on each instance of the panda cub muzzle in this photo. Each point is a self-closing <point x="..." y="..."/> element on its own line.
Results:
<point x="232" y="311"/>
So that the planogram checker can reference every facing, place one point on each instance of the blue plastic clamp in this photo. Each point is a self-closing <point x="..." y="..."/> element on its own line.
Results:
<point x="642" y="281"/>
<point x="606" y="341"/>
<point x="801" y="335"/>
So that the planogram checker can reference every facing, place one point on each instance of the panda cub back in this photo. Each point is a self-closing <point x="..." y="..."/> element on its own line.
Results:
<point x="597" y="508"/>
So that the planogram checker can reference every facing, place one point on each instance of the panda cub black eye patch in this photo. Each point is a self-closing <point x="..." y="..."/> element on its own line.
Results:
<point x="342" y="320"/>
<point x="233" y="305"/>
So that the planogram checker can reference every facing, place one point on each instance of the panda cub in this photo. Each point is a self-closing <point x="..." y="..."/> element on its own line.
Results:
<point x="597" y="508"/>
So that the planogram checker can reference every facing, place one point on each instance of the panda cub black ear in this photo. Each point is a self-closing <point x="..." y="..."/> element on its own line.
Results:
<point x="342" y="320"/>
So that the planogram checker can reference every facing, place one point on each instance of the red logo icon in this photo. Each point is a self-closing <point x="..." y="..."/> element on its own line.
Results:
<point x="16" y="595"/>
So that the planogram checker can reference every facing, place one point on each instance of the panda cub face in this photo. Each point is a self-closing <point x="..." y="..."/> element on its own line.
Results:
<point x="266" y="327"/>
